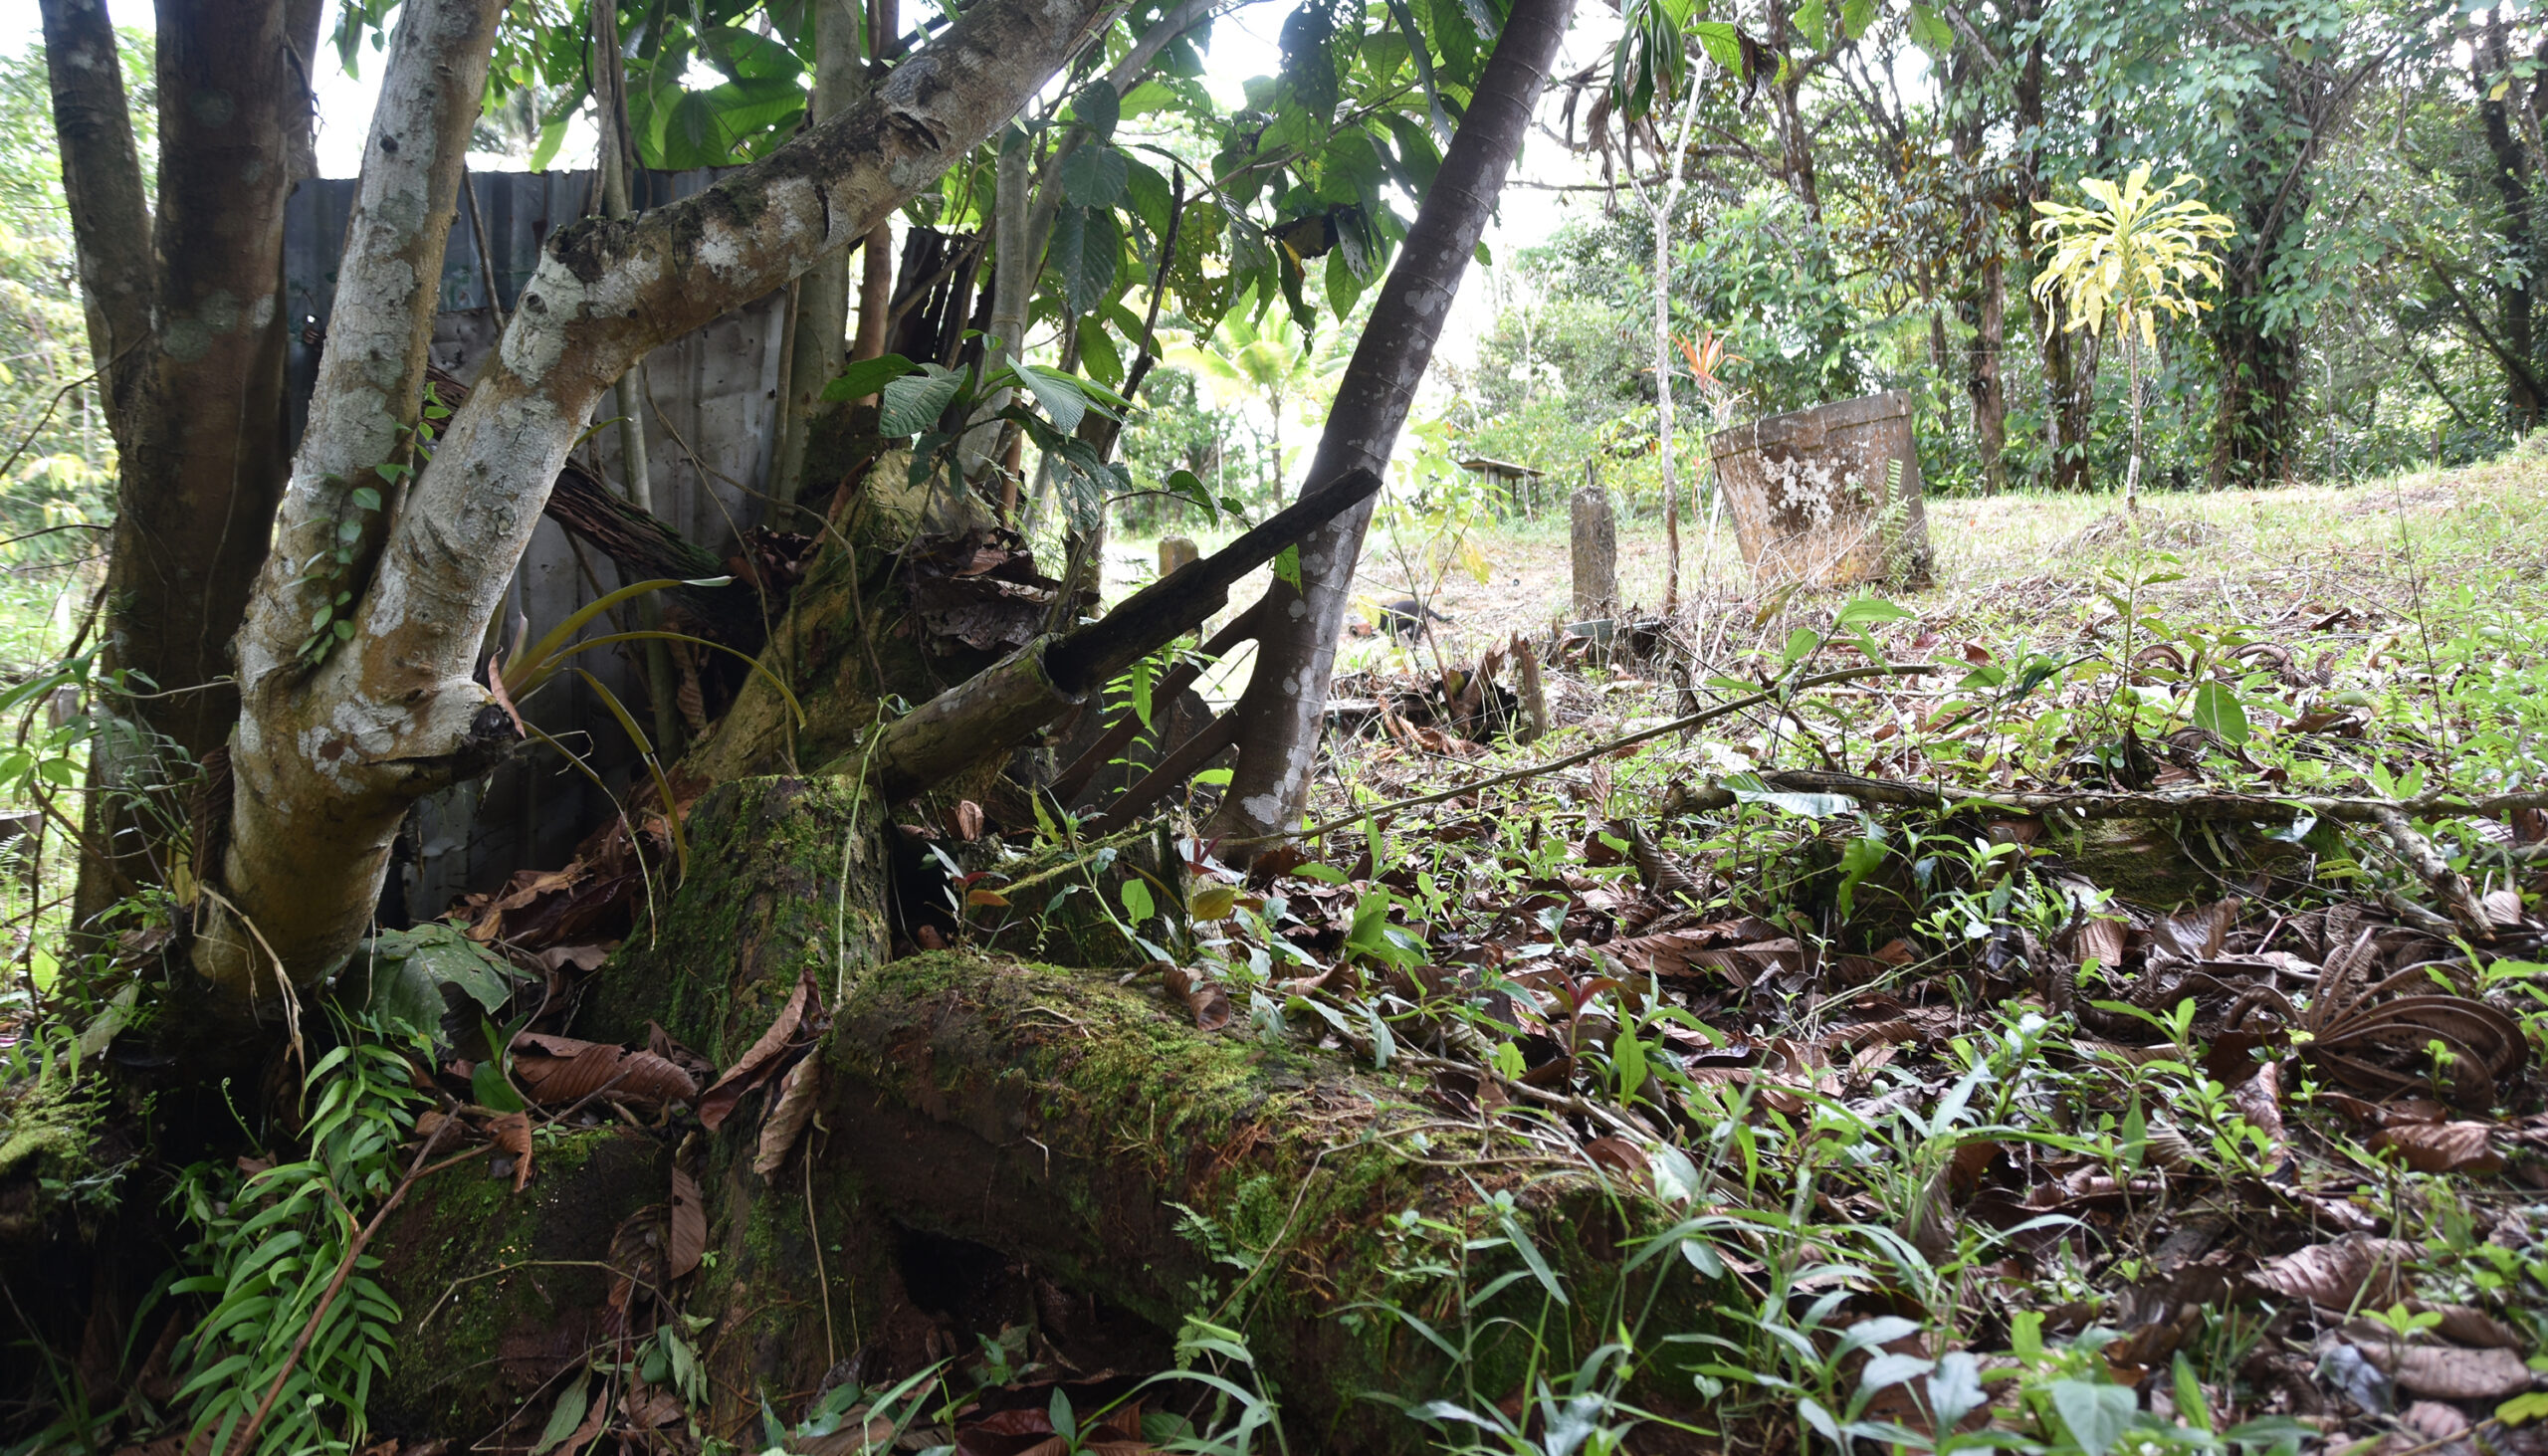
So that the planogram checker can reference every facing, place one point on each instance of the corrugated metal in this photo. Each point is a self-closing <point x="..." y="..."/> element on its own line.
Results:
<point x="712" y="398"/>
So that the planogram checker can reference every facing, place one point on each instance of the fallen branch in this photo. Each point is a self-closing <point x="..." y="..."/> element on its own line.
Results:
<point x="1052" y="675"/>
<point x="2095" y="804"/>
<point x="1177" y="679"/>
<point x="1678" y="724"/>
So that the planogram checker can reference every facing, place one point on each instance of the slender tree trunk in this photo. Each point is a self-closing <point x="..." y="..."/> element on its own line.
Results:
<point x="1285" y="705"/>
<point x="821" y="339"/>
<point x="876" y="276"/>
<point x="2132" y="374"/>
<point x="189" y="330"/>
<point x="365" y="405"/>
<point x="1663" y="399"/>
<point x="1983" y="382"/>
<point x="329" y="760"/>
<point x="2491" y="66"/>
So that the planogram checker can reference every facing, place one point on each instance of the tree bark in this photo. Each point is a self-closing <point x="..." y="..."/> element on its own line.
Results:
<point x="329" y="761"/>
<point x="2490" y="65"/>
<point x="1285" y="705"/>
<point x="185" y="318"/>
<point x="821" y="339"/>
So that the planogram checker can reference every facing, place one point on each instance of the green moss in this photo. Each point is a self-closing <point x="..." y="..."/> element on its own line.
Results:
<point x="499" y="1288"/>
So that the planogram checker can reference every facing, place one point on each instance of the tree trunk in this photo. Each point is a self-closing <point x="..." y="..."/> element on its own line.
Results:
<point x="328" y="762"/>
<point x="2490" y="66"/>
<point x="820" y="343"/>
<point x="1983" y="383"/>
<point x="1285" y="705"/>
<point x="189" y="334"/>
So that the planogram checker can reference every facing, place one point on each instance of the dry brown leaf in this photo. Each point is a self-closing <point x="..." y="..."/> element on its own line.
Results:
<point x="2260" y="1101"/>
<point x="2461" y="1324"/>
<point x="968" y="820"/>
<point x="581" y="958"/>
<point x="648" y="1407"/>
<point x="560" y="1071"/>
<point x="2194" y="934"/>
<point x="2100" y="940"/>
<point x="2442" y="1148"/>
<point x="1201" y="997"/>
<point x="784" y="1123"/>
<point x="758" y="1063"/>
<point x="2449" y="1373"/>
<point x="690" y="1225"/>
<point x="512" y="1134"/>
<point x="2335" y="1274"/>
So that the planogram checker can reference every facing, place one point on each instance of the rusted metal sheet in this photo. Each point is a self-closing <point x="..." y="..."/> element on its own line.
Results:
<point x="1829" y="495"/>
<point x="713" y="400"/>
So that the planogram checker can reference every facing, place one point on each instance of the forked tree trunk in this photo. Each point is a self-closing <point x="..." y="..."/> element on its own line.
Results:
<point x="326" y="761"/>
<point x="188" y="333"/>
<point x="1285" y="705"/>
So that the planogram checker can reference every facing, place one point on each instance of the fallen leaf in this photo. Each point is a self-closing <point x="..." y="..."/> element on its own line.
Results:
<point x="2442" y="1148"/>
<point x="2260" y="1101"/>
<point x="968" y="820"/>
<point x="511" y="1133"/>
<point x="560" y="1071"/>
<point x="786" y="1121"/>
<point x="581" y="958"/>
<point x="690" y="1225"/>
<point x="756" y="1064"/>
<point x="2449" y="1373"/>
<point x="1202" y="998"/>
<point x="2335" y="1274"/>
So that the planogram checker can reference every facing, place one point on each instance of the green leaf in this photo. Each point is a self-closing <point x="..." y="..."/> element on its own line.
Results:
<point x="2217" y="709"/>
<point x="1871" y="609"/>
<point x="1288" y="567"/>
<point x="566" y="1416"/>
<point x="1064" y="402"/>
<point x="912" y="403"/>
<point x="1718" y="39"/>
<point x="1086" y="252"/>
<point x="488" y="1088"/>
<point x="1138" y="904"/>
<point x="398" y="975"/>
<point x="1931" y="32"/>
<point x="1098" y="108"/>
<point x="1809" y="22"/>
<point x="1094" y="175"/>
<point x="867" y="376"/>
<point x="1146" y="193"/>
<point x="2096" y="1414"/>
<point x="1855" y="17"/>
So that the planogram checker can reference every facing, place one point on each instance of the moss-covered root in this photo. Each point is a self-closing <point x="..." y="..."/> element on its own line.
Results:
<point x="1068" y="1123"/>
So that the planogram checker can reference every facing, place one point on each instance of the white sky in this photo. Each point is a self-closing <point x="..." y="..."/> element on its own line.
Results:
<point x="1243" y="46"/>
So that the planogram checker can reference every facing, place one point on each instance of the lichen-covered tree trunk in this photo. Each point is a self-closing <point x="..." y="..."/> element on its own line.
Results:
<point x="1285" y="705"/>
<point x="328" y="759"/>
<point x="997" y="1143"/>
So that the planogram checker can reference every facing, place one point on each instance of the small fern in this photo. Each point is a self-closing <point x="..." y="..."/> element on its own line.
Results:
<point x="273" y="1241"/>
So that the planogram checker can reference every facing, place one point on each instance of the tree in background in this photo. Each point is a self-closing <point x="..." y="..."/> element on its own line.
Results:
<point x="2135" y="256"/>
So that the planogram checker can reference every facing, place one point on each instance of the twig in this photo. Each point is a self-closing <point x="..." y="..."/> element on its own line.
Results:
<point x="2447" y="884"/>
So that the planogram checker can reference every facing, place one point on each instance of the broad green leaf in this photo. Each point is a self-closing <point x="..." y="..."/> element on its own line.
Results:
<point x="1098" y="108"/>
<point x="2217" y="709"/>
<point x="2095" y="1413"/>
<point x="866" y="376"/>
<point x="1060" y="394"/>
<point x="1094" y="175"/>
<point x="913" y="402"/>
<point x="399" y="975"/>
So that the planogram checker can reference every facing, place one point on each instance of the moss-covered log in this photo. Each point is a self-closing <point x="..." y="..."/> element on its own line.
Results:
<point x="998" y="1143"/>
